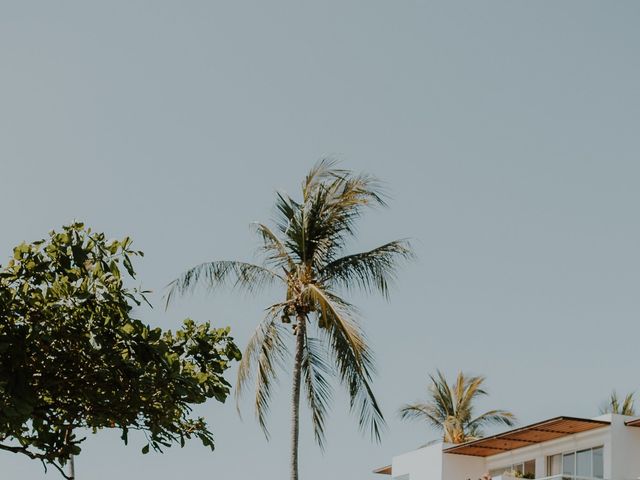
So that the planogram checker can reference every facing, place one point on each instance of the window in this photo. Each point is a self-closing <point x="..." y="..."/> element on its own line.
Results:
<point x="569" y="464"/>
<point x="587" y="463"/>
<point x="598" y="462"/>
<point x="529" y="469"/>
<point x="583" y="463"/>
<point x="554" y="465"/>
<point x="523" y="470"/>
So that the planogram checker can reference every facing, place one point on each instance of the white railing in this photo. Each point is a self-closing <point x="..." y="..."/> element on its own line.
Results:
<point x="552" y="477"/>
<point x="569" y="477"/>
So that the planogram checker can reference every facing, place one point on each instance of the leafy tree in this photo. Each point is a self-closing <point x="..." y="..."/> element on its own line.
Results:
<point x="304" y="256"/>
<point x="73" y="357"/>
<point x="613" y="405"/>
<point x="450" y="409"/>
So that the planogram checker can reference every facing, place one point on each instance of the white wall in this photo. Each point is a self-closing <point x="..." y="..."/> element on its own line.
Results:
<point x="625" y="449"/>
<point x="430" y="463"/>
<point x="463" y="467"/>
<point x="422" y="464"/>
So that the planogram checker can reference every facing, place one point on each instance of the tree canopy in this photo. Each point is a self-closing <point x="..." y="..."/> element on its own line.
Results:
<point x="449" y="408"/>
<point x="615" y="405"/>
<point x="72" y="355"/>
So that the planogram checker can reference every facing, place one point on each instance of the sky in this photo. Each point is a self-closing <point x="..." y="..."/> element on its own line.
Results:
<point x="506" y="131"/>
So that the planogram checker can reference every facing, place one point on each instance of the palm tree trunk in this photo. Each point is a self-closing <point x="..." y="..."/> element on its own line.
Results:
<point x="295" y="401"/>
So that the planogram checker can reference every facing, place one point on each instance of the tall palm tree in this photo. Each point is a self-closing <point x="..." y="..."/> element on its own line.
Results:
<point x="613" y="405"/>
<point x="304" y="255"/>
<point x="449" y="408"/>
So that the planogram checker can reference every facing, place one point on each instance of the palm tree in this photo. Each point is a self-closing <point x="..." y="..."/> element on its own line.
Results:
<point x="304" y="255"/>
<point x="613" y="405"/>
<point x="449" y="408"/>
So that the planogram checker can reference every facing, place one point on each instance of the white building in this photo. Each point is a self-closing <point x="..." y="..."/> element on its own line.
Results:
<point x="562" y="448"/>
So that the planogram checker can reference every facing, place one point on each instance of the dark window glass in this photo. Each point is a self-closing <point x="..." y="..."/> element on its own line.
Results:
<point x="583" y="463"/>
<point x="598" y="463"/>
<point x="569" y="464"/>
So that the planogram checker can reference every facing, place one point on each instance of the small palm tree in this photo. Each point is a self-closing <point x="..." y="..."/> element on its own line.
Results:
<point x="613" y="405"/>
<point x="305" y="257"/>
<point x="449" y="409"/>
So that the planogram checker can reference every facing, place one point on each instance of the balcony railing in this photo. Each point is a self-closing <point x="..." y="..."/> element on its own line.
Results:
<point x="570" y="477"/>
<point x="552" y="477"/>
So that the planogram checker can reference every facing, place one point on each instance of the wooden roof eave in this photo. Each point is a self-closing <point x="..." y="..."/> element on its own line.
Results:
<point x="386" y="470"/>
<point x="521" y="437"/>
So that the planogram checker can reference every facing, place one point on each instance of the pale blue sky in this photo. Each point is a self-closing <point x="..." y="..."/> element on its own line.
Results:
<point x="506" y="130"/>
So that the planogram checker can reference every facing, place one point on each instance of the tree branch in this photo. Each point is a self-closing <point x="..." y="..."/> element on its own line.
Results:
<point x="43" y="458"/>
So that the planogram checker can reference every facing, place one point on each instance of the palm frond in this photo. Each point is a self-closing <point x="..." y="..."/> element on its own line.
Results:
<point x="332" y="199"/>
<point x="321" y="171"/>
<point x="333" y="312"/>
<point x="315" y="370"/>
<point x="332" y="212"/>
<point x="275" y="251"/>
<point x="354" y="361"/>
<point x="466" y="391"/>
<point x="266" y="351"/>
<point x="496" y="417"/>
<point x="290" y="225"/>
<point x="613" y="405"/>
<point x="421" y="411"/>
<point x="369" y="271"/>
<point x="443" y="398"/>
<point x="449" y="408"/>
<point x="214" y="275"/>
<point x="627" y="405"/>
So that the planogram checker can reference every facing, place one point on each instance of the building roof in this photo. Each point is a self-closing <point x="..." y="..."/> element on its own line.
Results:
<point x="524" y="436"/>
<point x="386" y="470"/>
<point x="633" y="423"/>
